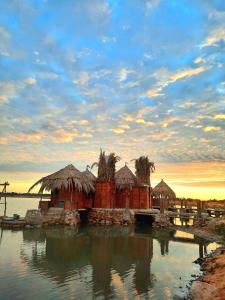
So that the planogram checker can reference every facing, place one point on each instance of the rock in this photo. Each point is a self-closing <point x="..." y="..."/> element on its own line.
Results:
<point x="202" y="290"/>
<point x="71" y="217"/>
<point x="111" y="216"/>
<point x="33" y="217"/>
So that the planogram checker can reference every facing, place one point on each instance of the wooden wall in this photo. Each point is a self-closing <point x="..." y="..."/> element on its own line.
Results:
<point x="136" y="198"/>
<point x="105" y="194"/>
<point x="74" y="200"/>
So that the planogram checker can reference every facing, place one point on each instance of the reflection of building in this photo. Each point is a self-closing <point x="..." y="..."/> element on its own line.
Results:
<point x="105" y="250"/>
<point x="107" y="256"/>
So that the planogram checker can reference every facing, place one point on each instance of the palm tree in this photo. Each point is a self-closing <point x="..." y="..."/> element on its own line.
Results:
<point x="106" y="166"/>
<point x="144" y="168"/>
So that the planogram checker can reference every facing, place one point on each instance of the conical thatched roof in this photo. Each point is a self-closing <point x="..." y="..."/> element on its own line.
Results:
<point x="89" y="175"/>
<point x="67" y="178"/>
<point x="162" y="189"/>
<point x="125" y="178"/>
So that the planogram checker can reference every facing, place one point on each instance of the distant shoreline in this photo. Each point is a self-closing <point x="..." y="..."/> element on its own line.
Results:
<point x="26" y="195"/>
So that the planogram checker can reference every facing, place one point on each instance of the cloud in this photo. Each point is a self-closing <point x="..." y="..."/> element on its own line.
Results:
<point x="155" y="92"/>
<point x="165" y="77"/>
<point x="212" y="128"/>
<point x="216" y="35"/>
<point x="118" y="130"/>
<point x="144" y="122"/>
<point x="29" y="137"/>
<point x="166" y="122"/>
<point x="125" y="126"/>
<point x="63" y="136"/>
<point x="186" y="74"/>
<point x="123" y="73"/>
<point x="32" y="137"/>
<point x="79" y="122"/>
<point x="137" y="120"/>
<point x="9" y="89"/>
<point x="30" y="81"/>
<point x="198" y="60"/>
<point x="3" y="140"/>
<point x="83" y="78"/>
<point x="85" y="135"/>
<point x="219" y="117"/>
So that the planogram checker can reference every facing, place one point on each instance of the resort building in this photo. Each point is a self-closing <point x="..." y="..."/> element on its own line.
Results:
<point x="72" y="189"/>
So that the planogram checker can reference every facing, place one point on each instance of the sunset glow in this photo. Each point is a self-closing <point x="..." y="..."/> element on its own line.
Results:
<point x="130" y="77"/>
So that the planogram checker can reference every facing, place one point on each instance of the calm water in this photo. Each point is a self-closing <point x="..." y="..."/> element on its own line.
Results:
<point x="19" y="205"/>
<point x="96" y="262"/>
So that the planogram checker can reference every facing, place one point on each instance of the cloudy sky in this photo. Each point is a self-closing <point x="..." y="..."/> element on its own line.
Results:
<point x="133" y="77"/>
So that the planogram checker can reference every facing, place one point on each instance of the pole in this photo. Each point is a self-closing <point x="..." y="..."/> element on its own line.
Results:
<point x="5" y="201"/>
<point x="199" y="208"/>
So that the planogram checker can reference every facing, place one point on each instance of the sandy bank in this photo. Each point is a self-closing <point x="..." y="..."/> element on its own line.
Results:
<point x="212" y="284"/>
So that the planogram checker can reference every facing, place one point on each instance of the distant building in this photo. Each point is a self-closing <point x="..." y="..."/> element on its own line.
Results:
<point x="162" y="191"/>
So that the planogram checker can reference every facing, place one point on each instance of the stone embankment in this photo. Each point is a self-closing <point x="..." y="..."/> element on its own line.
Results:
<point x="34" y="218"/>
<point x="118" y="216"/>
<point x="161" y="221"/>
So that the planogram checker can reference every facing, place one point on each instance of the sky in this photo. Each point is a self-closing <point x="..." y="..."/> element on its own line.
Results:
<point x="134" y="77"/>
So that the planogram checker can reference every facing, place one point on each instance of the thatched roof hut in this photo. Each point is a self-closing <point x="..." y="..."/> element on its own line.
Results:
<point x="68" y="178"/>
<point x="162" y="190"/>
<point x="125" y="178"/>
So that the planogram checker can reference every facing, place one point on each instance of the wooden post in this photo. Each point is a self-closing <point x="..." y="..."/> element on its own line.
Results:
<point x="203" y="205"/>
<point x="201" y="250"/>
<point x="5" y="201"/>
<point x="162" y="205"/>
<point x="199" y="208"/>
<point x="182" y="203"/>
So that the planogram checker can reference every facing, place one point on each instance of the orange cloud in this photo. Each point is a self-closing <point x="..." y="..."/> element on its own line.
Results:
<point x="63" y="136"/>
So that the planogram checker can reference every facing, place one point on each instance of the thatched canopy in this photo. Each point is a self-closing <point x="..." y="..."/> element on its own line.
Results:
<point x="125" y="178"/>
<point x="89" y="175"/>
<point x="67" y="178"/>
<point x="162" y="190"/>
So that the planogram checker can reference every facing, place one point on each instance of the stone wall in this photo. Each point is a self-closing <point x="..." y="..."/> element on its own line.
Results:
<point x="161" y="221"/>
<point x="54" y="216"/>
<point x="100" y="216"/>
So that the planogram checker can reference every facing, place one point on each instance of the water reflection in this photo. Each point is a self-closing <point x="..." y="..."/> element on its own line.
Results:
<point x="110" y="261"/>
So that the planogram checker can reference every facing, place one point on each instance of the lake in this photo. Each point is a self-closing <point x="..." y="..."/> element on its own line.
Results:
<point x="93" y="262"/>
<point x="19" y="205"/>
